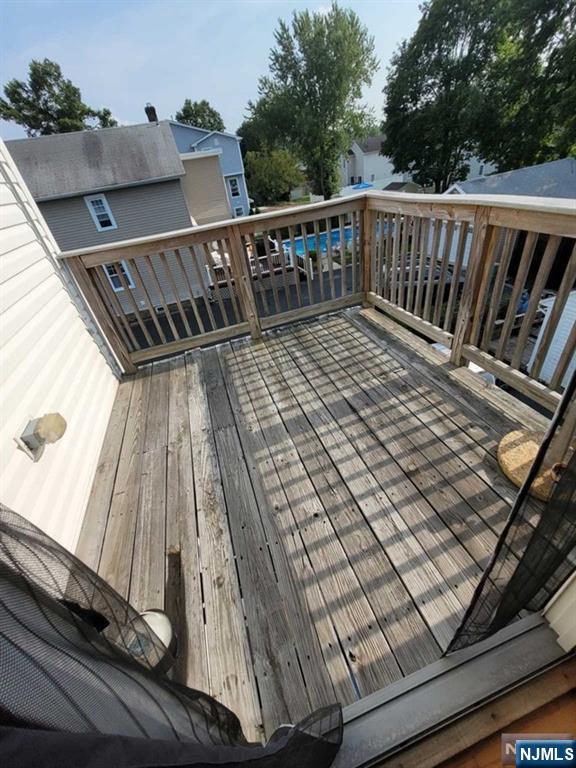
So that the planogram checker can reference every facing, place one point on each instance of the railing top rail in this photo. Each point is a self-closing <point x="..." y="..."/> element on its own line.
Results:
<point x="562" y="206"/>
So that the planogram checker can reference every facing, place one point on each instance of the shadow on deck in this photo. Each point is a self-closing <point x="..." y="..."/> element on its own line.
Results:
<point x="313" y="510"/>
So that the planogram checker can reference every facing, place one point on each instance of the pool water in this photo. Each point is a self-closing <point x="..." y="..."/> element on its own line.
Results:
<point x="323" y="238"/>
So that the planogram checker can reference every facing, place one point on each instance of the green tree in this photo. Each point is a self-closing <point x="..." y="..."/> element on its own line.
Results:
<point x="48" y="103"/>
<point x="527" y="110"/>
<point x="311" y="100"/>
<point x="271" y="174"/>
<point x="200" y="114"/>
<point x="432" y="91"/>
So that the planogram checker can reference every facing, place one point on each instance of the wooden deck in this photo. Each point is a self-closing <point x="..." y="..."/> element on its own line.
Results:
<point x="313" y="511"/>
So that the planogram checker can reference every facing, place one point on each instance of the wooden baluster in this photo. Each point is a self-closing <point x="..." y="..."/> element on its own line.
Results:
<point x="422" y="266"/>
<point x="307" y="263"/>
<point x="101" y="313"/>
<point x="535" y="295"/>
<point x="246" y="295"/>
<point x="478" y="252"/>
<point x="117" y="313"/>
<point x="328" y="225"/>
<point x="230" y="281"/>
<point x="141" y="285"/>
<point x="566" y="287"/>
<point x="343" y="264"/>
<point x="319" y="258"/>
<point x="431" y="273"/>
<point x="493" y="249"/>
<point x="519" y="282"/>
<point x="354" y="222"/>
<point x="368" y="250"/>
<point x="456" y="274"/>
<point x="565" y="359"/>
<point x="200" y="279"/>
<point x="498" y="288"/>
<point x="164" y="260"/>
<point x="395" y="259"/>
<point x="388" y="233"/>
<point x="271" y="271"/>
<point x="412" y="269"/>
<point x="441" y="289"/>
<point x="295" y="266"/>
<point x="284" y="270"/>
<point x="380" y="267"/>
<point x="197" y="316"/>
<point x="128" y="292"/>
<point x="215" y="283"/>
<point x="406" y="227"/>
<point x="165" y="305"/>
<point x="251" y="245"/>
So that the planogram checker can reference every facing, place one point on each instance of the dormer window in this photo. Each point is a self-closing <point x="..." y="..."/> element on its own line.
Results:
<point x="100" y="212"/>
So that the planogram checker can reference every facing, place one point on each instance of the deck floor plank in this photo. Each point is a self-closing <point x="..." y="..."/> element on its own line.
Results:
<point x="276" y="665"/>
<point x="232" y="679"/>
<point x="312" y="510"/>
<point x="423" y="551"/>
<point x="355" y="623"/>
<point x="324" y="667"/>
<point x="405" y="631"/>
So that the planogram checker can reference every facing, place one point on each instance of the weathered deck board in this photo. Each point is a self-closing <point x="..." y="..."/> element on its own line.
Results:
<point x="313" y="511"/>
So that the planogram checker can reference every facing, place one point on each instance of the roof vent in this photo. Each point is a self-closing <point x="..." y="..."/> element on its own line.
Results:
<point x="151" y="113"/>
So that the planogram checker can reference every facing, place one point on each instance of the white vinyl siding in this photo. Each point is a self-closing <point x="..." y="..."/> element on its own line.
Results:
<point x="49" y="362"/>
<point x="100" y="212"/>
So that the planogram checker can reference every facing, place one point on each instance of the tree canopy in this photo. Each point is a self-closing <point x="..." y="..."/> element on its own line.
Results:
<point x="492" y="78"/>
<point x="200" y="114"/>
<point x="49" y="103"/>
<point x="271" y="174"/>
<point x="311" y="99"/>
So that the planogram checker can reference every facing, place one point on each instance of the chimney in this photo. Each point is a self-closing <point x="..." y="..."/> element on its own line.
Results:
<point x="151" y="113"/>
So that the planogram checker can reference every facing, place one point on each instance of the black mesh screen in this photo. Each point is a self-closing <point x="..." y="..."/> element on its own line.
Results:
<point x="78" y="684"/>
<point x="535" y="553"/>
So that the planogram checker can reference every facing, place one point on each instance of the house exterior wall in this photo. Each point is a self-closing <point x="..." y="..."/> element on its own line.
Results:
<point x="204" y="190"/>
<point x="231" y="164"/>
<point x="49" y="362"/>
<point x="371" y="166"/>
<point x="139" y="211"/>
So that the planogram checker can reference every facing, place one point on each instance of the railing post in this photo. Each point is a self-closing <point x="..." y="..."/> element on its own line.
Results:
<point x="564" y="437"/>
<point x="100" y="312"/>
<point x="367" y="219"/>
<point x="478" y="260"/>
<point x="243" y="278"/>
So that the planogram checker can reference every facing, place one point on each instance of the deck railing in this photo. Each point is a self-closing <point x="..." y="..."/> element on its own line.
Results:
<point x="490" y="278"/>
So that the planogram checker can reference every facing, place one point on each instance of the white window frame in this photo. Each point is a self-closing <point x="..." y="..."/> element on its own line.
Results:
<point x="239" y="210"/>
<point x="119" y="288"/>
<point x="231" y="180"/>
<point x="102" y="198"/>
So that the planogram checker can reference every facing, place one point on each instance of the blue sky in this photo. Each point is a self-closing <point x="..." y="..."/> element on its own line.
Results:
<point x="123" y="53"/>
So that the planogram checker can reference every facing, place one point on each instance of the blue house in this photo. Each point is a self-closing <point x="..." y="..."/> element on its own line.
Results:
<point x="191" y="140"/>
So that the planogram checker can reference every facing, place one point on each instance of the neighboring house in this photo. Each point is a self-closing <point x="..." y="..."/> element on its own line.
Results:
<point x="100" y="187"/>
<point x="192" y="141"/>
<point x="363" y="162"/>
<point x="403" y="186"/>
<point x="554" y="179"/>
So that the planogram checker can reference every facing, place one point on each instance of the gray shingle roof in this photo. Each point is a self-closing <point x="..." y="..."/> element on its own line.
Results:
<point x="554" y="179"/>
<point x="78" y="163"/>
<point x="371" y="143"/>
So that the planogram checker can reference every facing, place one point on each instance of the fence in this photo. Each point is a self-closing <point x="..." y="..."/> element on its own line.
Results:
<point x="491" y="278"/>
